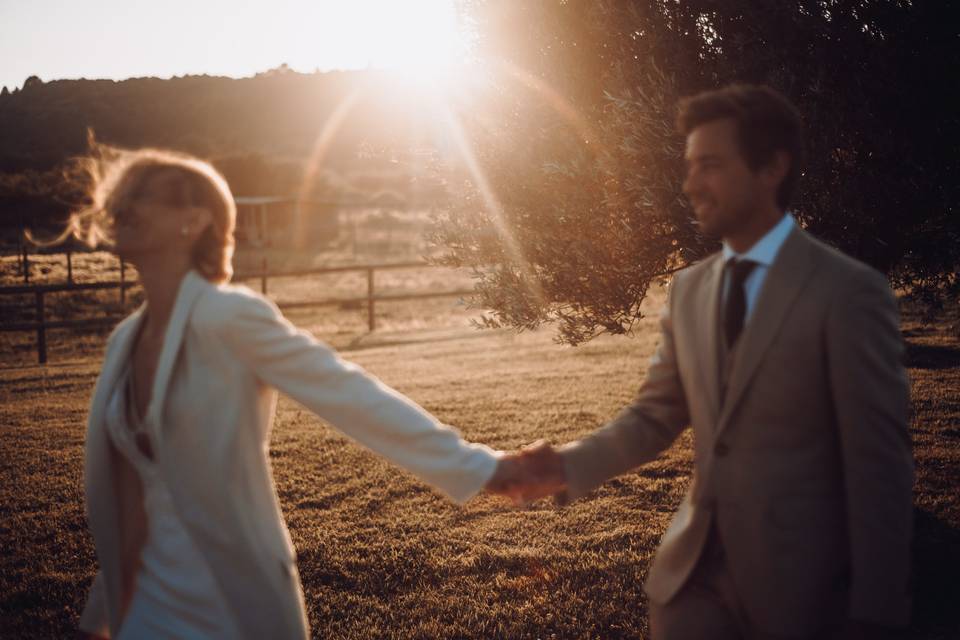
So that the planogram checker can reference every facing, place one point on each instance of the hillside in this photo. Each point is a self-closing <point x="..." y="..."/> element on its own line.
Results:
<point x="260" y="132"/>
<point x="278" y="113"/>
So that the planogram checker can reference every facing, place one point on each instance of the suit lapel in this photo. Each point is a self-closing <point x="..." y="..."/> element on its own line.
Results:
<point x="784" y="281"/>
<point x="191" y="287"/>
<point x="709" y="300"/>
<point x="97" y="444"/>
<point x="113" y="364"/>
<point x="98" y="475"/>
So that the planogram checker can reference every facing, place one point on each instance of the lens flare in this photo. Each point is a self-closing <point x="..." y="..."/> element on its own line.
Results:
<point x="323" y="143"/>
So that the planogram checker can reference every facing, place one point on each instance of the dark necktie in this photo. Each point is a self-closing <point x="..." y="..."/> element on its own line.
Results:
<point x="736" y="307"/>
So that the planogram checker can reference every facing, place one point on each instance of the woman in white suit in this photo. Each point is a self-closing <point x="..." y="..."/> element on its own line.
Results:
<point x="180" y="499"/>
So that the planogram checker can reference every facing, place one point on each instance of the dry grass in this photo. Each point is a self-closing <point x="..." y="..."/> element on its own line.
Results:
<point x="382" y="556"/>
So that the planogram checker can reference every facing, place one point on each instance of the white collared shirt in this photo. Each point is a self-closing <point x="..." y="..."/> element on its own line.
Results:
<point x="764" y="252"/>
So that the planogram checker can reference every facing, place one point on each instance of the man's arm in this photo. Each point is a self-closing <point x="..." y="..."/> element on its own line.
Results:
<point x="871" y="401"/>
<point x="640" y="431"/>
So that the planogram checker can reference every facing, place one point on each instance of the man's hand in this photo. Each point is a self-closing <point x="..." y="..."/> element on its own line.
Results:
<point x="534" y="472"/>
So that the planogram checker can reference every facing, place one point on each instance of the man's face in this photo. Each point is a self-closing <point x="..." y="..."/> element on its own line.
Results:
<point x="724" y="192"/>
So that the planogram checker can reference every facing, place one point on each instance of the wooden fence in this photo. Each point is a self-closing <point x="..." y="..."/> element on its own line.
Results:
<point x="40" y="324"/>
<point x="23" y="259"/>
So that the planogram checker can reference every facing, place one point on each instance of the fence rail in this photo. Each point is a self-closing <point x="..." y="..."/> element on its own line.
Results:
<point x="22" y="251"/>
<point x="40" y="325"/>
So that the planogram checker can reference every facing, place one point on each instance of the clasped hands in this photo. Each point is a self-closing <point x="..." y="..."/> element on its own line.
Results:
<point x="535" y="471"/>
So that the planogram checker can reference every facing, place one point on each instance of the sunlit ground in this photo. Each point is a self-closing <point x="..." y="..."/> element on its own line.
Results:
<point x="381" y="555"/>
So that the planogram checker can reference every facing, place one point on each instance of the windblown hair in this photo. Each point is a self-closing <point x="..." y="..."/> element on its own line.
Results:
<point x="766" y="122"/>
<point x="118" y="177"/>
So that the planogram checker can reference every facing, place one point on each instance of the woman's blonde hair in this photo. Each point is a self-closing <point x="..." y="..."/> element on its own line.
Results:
<point x="117" y="177"/>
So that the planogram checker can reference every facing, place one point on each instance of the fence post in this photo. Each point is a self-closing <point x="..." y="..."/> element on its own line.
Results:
<point x="20" y="251"/>
<point x="263" y="276"/>
<point x="123" y="285"/>
<point x="41" y="329"/>
<point x="353" y="235"/>
<point x="69" y="266"/>
<point x="371" y="319"/>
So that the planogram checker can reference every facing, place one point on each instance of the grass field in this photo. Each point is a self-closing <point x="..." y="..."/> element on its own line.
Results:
<point x="382" y="556"/>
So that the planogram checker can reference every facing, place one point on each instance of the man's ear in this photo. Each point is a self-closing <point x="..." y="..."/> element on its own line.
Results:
<point x="775" y="171"/>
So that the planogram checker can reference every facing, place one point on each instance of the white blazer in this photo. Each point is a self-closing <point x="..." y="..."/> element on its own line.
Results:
<point x="226" y="351"/>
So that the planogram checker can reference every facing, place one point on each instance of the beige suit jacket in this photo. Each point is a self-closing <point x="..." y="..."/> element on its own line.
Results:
<point x="806" y="464"/>
<point x="225" y="353"/>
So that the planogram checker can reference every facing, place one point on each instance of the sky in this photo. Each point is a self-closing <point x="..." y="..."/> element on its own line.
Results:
<point x="117" y="39"/>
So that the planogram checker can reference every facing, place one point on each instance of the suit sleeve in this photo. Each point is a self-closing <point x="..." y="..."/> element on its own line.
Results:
<point x="871" y="401"/>
<point x="641" y="430"/>
<point x="352" y="400"/>
<point x="94" y="619"/>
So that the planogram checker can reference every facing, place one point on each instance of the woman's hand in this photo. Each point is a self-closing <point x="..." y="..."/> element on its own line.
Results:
<point x="534" y="472"/>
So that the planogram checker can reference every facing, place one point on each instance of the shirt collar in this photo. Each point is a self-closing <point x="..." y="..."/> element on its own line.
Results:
<point x="765" y="250"/>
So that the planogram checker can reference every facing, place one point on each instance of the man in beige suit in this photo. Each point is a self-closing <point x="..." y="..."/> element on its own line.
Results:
<point x="785" y="357"/>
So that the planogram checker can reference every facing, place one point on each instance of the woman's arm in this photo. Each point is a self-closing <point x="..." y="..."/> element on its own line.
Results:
<point x="350" y="399"/>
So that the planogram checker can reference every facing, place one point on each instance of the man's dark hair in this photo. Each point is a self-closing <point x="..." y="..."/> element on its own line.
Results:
<point x="766" y="122"/>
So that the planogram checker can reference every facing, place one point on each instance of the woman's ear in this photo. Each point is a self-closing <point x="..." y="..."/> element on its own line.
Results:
<point x="199" y="218"/>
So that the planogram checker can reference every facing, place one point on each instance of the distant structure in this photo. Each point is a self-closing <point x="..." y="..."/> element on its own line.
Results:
<point x="285" y="221"/>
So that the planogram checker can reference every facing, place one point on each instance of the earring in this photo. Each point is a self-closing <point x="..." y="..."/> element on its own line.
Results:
<point x="184" y="230"/>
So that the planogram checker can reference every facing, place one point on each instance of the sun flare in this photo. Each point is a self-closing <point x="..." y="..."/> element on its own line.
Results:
<point x="417" y="38"/>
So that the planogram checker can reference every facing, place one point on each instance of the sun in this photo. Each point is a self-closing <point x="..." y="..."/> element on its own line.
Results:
<point x="414" y="37"/>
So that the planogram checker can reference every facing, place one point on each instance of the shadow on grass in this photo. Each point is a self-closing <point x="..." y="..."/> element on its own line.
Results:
<point x="936" y="556"/>
<point x="931" y="356"/>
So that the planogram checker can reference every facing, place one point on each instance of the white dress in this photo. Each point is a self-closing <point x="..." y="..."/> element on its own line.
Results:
<point x="176" y="595"/>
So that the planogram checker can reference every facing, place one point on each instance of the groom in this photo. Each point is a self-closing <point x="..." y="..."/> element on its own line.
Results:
<point x="785" y="357"/>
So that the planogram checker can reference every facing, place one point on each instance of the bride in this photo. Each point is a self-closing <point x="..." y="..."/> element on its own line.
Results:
<point x="180" y="498"/>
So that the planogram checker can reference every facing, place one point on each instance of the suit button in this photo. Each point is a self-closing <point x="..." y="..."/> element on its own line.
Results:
<point x="721" y="449"/>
